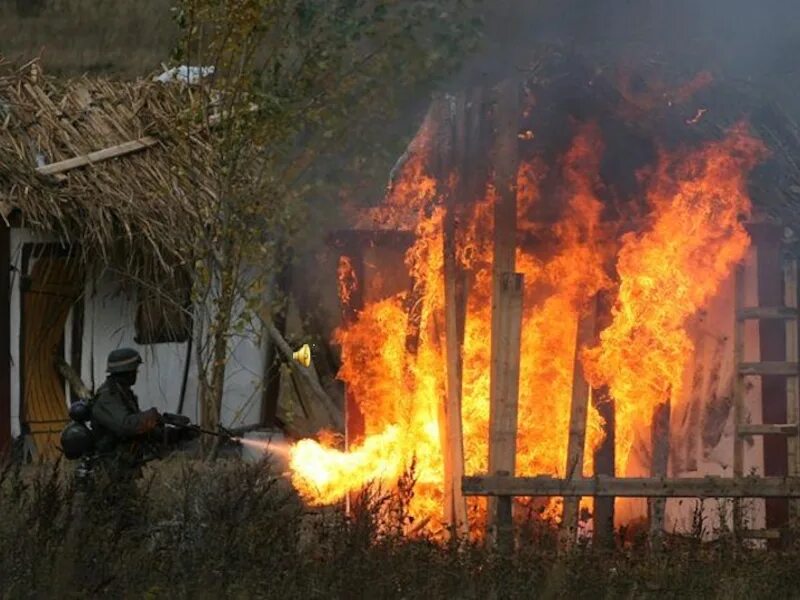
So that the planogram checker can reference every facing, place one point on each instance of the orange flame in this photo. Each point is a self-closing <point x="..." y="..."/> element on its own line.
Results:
<point x="665" y="274"/>
<point x="669" y="272"/>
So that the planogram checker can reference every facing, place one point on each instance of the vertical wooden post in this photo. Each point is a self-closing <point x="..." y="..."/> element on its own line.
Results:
<point x="451" y="114"/>
<point x="577" y="422"/>
<point x="792" y="383"/>
<point x="5" y="338"/>
<point x="605" y="453"/>
<point x="455" y="509"/>
<point x="738" y="391"/>
<point x="658" y="468"/>
<point x="505" y="396"/>
<point x="271" y="391"/>
<point x="507" y="291"/>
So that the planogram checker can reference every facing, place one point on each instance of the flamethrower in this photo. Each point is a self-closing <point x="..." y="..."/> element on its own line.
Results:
<point x="183" y="424"/>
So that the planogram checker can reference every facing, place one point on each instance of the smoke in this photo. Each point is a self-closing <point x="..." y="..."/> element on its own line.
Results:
<point x="756" y="42"/>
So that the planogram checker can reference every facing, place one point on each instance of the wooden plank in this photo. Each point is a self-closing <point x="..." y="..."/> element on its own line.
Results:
<point x="634" y="487"/>
<point x="777" y="368"/>
<point x="455" y="506"/>
<point x="768" y="429"/>
<point x="761" y="534"/>
<point x="792" y="384"/>
<point x="577" y="421"/>
<point x="658" y="468"/>
<point x="603" y="534"/>
<point x="99" y="156"/>
<point x="770" y="312"/>
<point x="738" y="388"/>
<point x="505" y="398"/>
<point x="505" y="162"/>
<point x="5" y="338"/>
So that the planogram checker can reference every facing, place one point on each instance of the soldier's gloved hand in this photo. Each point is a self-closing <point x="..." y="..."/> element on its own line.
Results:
<point x="150" y="420"/>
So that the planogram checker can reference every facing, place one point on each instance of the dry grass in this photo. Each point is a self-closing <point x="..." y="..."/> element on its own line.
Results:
<point x="231" y="530"/>
<point x="128" y="38"/>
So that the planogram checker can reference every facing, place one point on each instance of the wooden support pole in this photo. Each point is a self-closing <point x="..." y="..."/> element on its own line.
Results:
<point x="270" y="394"/>
<point x="455" y="509"/>
<point x="506" y="292"/>
<point x="5" y="339"/>
<point x="792" y="383"/>
<point x="505" y="395"/>
<point x="634" y="487"/>
<point x="577" y="422"/>
<point x="605" y="453"/>
<point x="658" y="468"/>
<point x="738" y="389"/>
<point x="450" y="153"/>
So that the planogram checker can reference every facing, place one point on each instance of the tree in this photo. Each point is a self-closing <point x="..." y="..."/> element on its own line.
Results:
<point x="298" y="88"/>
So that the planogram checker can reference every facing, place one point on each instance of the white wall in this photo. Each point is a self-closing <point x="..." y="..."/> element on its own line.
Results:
<point x="715" y="379"/>
<point x="109" y="324"/>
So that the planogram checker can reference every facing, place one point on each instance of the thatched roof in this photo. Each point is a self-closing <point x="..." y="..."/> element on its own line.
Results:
<point x="133" y="211"/>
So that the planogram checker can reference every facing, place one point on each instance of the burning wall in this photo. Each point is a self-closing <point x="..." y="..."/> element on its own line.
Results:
<point x="662" y="254"/>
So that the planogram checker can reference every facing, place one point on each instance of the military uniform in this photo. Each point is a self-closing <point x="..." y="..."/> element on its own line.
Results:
<point x="123" y="434"/>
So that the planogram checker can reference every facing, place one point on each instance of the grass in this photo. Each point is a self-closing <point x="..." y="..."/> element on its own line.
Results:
<point x="231" y="530"/>
<point x="127" y="38"/>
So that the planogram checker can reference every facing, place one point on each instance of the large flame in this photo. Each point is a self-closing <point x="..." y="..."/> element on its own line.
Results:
<point x="664" y="274"/>
<point x="667" y="273"/>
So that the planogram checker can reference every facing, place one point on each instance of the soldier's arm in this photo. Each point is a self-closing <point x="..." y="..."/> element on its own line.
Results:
<point x="109" y="412"/>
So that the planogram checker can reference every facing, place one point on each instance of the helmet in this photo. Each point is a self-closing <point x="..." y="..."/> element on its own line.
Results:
<point x="123" y="360"/>
<point x="76" y="440"/>
<point x="80" y="411"/>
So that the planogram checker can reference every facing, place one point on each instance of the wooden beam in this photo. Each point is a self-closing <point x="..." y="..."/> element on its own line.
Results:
<point x="577" y="421"/>
<point x="770" y="312"/>
<point x="634" y="487"/>
<point x="99" y="156"/>
<point x="792" y="383"/>
<point x="505" y="161"/>
<point x="503" y="407"/>
<point x="768" y="429"/>
<point x="505" y="389"/>
<point x="738" y="389"/>
<point x="5" y="338"/>
<point x="455" y="506"/>
<point x="777" y="368"/>
<point x="658" y="468"/>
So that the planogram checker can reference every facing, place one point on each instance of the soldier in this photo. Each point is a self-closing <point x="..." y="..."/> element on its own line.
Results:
<point x="123" y="433"/>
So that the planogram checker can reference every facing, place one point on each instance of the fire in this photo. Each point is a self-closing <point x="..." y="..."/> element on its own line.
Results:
<point x="664" y="274"/>
<point x="667" y="273"/>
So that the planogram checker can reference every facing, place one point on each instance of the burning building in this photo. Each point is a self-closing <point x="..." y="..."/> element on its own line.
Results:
<point x="634" y="204"/>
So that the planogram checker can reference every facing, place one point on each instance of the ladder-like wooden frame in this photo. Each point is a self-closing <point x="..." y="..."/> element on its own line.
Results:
<point x="790" y="368"/>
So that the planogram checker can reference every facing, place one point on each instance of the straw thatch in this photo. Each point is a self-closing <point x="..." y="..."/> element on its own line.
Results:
<point x="137" y="213"/>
